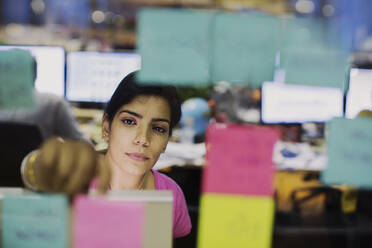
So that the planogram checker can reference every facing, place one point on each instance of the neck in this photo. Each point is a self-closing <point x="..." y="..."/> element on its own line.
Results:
<point x="122" y="180"/>
<point x="131" y="182"/>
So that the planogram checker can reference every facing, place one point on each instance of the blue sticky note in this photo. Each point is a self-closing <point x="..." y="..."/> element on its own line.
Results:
<point x="244" y="48"/>
<point x="16" y="79"/>
<point x="35" y="221"/>
<point x="349" y="152"/>
<point x="174" y="46"/>
<point x="310" y="55"/>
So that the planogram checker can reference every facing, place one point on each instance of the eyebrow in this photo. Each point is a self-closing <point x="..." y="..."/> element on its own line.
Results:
<point x="140" y="116"/>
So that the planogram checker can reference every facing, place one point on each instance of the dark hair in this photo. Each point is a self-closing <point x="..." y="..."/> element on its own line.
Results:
<point x="128" y="89"/>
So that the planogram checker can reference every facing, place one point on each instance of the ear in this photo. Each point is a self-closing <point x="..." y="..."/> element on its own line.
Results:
<point x="105" y="128"/>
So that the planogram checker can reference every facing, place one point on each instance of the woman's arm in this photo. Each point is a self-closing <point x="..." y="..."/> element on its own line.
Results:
<point x="65" y="166"/>
<point x="27" y="171"/>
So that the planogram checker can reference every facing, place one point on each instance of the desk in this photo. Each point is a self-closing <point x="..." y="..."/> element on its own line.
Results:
<point x="330" y="230"/>
<point x="357" y="233"/>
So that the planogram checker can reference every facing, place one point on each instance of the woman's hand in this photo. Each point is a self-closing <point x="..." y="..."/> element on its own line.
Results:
<point x="69" y="166"/>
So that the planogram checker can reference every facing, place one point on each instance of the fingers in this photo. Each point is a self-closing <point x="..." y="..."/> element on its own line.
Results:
<point x="64" y="166"/>
<point x="45" y="163"/>
<point x="81" y="172"/>
<point x="77" y="168"/>
<point x="69" y="167"/>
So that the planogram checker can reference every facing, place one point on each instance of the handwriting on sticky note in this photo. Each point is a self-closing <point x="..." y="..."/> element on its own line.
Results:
<point x="48" y="236"/>
<point x="349" y="152"/>
<point x="246" y="221"/>
<point x="240" y="157"/>
<point x="16" y="79"/>
<point x="35" y="221"/>
<point x="100" y="222"/>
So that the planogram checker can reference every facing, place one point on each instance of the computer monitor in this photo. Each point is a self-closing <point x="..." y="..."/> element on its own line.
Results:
<point x="288" y="103"/>
<point x="93" y="76"/>
<point x="359" y="95"/>
<point x="50" y="76"/>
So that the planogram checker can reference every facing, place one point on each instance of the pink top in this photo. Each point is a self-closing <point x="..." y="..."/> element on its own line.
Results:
<point x="181" y="218"/>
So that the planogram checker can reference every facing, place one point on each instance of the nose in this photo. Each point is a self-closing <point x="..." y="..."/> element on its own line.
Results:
<point x="142" y="137"/>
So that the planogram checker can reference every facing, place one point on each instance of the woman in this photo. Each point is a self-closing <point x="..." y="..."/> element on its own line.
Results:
<point x="137" y="123"/>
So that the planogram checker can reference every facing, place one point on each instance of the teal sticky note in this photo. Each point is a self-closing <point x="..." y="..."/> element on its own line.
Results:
<point x="302" y="32"/>
<point x="349" y="145"/>
<point x="7" y="191"/>
<point x="16" y="79"/>
<point x="244" y="48"/>
<point x="310" y="56"/>
<point x="174" y="46"/>
<point x="314" y="67"/>
<point x="35" y="221"/>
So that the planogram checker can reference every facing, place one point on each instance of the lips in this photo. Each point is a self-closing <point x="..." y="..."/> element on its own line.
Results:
<point x="138" y="156"/>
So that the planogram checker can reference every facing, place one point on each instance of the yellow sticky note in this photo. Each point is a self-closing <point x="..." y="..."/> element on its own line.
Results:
<point x="235" y="221"/>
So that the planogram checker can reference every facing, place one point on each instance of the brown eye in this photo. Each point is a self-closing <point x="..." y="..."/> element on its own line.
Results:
<point x="159" y="129"/>
<point x="128" y="122"/>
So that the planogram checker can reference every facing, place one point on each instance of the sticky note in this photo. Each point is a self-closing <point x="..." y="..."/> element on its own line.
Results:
<point x="314" y="66"/>
<point x="349" y="145"/>
<point x="7" y="191"/>
<point x="239" y="160"/>
<point x="100" y="222"/>
<point x="235" y="221"/>
<point x="158" y="213"/>
<point x="35" y="221"/>
<point x="244" y="48"/>
<point x="174" y="46"/>
<point x="16" y="79"/>
<point x="309" y="55"/>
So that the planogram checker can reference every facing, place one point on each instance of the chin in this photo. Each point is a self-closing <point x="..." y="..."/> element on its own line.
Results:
<point x="137" y="170"/>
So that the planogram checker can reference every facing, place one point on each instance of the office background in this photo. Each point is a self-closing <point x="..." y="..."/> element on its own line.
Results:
<point x="66" y="36"/>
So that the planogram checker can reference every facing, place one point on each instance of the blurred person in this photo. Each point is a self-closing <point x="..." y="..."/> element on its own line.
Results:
<point x="51" y="113"/>
<point x="137" y="124"/>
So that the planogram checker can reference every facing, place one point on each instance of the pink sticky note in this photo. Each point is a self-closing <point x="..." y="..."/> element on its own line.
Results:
<point x="239" y="159"/>
<point x="100" y="222"/>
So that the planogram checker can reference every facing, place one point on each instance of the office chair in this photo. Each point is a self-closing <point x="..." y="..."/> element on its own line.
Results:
<point x="16" y="141"/>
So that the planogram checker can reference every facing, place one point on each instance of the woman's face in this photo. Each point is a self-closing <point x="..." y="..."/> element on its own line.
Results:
<point x="138" y="134"/>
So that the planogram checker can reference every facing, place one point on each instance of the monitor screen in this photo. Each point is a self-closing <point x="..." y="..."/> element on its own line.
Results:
<point x="288" y="103"/>
<point x="93" y="76"/>
<point x="359" y="95"/>
<point x="50" y="76"/>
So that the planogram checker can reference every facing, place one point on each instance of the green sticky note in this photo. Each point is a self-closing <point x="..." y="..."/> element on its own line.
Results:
<point x="35" y="221"/>
<point x="244" y="48"/>
<point x="174" y="46"/>
<point x="309" y="57"/>
<point x="349" y="152"/>
<point x="16" y="79"/>
<point x="314" y="66"/>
